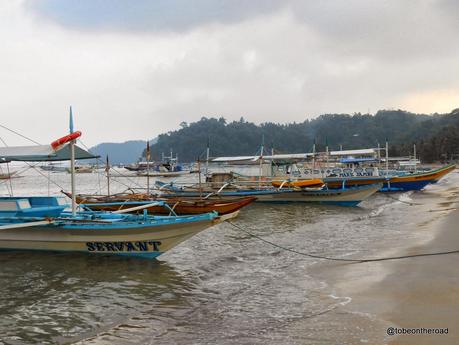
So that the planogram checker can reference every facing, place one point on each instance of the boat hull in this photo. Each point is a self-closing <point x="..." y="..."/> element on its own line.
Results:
<point x="180" y="206"/>
<point x="147" y="240"/>
<point x="344" y="182"/>
<point x="342" y="197"/>
<point x="144" y="173"/>
<point x="416" y="181"/>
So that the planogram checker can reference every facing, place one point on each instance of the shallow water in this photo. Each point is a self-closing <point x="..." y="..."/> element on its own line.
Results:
<point x="220" y="287"/>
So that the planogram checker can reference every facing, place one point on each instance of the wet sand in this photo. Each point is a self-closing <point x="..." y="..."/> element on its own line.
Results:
<point x="424" y="292"/>
<point x="420" y="292"/>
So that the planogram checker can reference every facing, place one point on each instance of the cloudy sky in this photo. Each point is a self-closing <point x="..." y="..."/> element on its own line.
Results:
<point x="134" y="69"/>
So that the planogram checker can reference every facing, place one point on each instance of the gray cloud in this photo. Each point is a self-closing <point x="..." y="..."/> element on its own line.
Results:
<point x="128" y="77"/>
<point x="147" y="15"/>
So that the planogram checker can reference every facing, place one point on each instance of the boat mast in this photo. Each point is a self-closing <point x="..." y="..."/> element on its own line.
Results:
<point x="415" y="162"/>
<point x="207" y="158"/>
<point x="379" y="156"/>
<point x="107" y="170"/>
<point x="199" y="177"/>
<point x="314" y="156"/>
<point x="147" y="156"/>
<point x="326" y="149"/>
<point x="261" y="159"/>
<point x="72" y="165"/>
<point x="387" y="157"/>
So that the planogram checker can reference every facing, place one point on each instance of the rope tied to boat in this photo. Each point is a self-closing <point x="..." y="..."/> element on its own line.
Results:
<point x="323" y="257"/>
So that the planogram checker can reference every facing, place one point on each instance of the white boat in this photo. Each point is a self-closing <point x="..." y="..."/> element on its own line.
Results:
<point x="46" y="227"/>
<point x="41" y="223"/>
<point x="164" y="173"/>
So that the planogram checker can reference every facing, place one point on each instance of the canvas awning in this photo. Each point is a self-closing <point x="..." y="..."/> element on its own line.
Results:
<point x="235" y="159"/>
<point x="278" y="157"/>
<point x="41" y="153"/>
<point x="361" y="152"/>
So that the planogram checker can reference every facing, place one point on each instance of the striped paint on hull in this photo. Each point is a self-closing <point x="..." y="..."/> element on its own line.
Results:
<point x="412" y="182"/>
<point x="416" y="181"/>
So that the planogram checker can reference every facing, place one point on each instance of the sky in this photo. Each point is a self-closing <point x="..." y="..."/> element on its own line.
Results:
<point x="135" y="69"/>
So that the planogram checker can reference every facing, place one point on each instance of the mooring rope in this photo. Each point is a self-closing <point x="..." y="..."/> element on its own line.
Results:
<point x="315" y="256"/>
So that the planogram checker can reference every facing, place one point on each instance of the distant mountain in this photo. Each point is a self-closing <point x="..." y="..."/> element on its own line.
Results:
<point x="121" y="153"/>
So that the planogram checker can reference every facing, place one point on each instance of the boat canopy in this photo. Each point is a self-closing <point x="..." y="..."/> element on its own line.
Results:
<point x="278" y="157"/>
<point x="357" y="160"/>
<point x="361" y="152"/>
<point x="235" y="159"/>
<point x="41" y="153"/>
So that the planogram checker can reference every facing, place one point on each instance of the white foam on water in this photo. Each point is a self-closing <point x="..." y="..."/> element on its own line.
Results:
<point x="346" y="299"/>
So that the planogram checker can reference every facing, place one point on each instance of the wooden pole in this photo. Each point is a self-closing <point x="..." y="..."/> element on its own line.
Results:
<point x="107" y="170"/>
<point x="72" y="176"/>
<point x="200" y="183"/>
<point x="147" y="156"/>
<point x="387" y="157"/>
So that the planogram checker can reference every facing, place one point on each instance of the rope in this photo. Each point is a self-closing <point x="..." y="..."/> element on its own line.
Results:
<point x="23" y="136"/>
<point x="32" y="166"/>
<point x="113" y="168"/>
<point x="341" y="259"/>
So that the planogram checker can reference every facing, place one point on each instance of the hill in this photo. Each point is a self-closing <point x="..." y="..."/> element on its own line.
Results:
<point x="436" y="135"/>
<point x="121" y="153"/>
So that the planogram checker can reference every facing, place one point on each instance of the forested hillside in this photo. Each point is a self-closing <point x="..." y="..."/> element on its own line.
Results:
<point x="437" y="136"/>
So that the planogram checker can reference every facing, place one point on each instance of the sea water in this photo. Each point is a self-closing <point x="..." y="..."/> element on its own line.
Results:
<point x="223" y="286"/>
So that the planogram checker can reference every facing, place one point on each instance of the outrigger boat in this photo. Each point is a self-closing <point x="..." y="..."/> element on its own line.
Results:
<point x="351" y="196"/>
<point x="41" y="223"/>
<point x="7" y="176"/>
<point x="394" y="183"/>
<point x="292" y="168"/>
<point x="180" y="206"/>
<point x="46" y="227"/>
<point x="152" y="173"/>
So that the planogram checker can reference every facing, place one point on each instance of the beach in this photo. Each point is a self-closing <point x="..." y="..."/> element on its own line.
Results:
<point x="417" y="295"/>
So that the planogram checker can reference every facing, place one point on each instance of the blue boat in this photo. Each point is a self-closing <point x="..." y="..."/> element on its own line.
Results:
<point x="44" y="223"/>
<point x="351" y="196"/>
<point x="47" y="227"/>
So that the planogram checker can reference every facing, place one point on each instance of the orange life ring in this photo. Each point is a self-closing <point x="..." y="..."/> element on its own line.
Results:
<point x="65" y="139"/>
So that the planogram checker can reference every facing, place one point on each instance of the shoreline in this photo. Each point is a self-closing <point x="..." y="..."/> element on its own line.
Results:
<point x="421" y="292"/>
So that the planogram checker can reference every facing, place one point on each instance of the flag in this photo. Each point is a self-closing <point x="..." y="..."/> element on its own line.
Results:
<point x="71" y="121"/>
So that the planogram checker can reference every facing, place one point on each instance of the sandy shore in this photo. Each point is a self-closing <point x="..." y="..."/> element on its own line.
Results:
<point x="424" y="292"/>
<point x="411" y="293"/>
